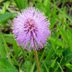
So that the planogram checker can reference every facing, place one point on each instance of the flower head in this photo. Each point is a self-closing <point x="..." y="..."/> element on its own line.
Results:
<point x="31" y="29"/>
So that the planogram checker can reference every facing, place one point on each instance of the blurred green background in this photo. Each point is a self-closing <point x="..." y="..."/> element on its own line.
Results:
<point x="56" y="56"/>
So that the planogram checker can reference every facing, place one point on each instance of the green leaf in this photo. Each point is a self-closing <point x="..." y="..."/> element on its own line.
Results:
<point x="21" y="4"/>
<point x="68" y="65"/>
<point x="47" y="5"/>
<point x="9" y="38"/>
<point x="5" y="66"/>
<point x="47" y="70"/>
<point x="67" y="37"/>
<point x="2" y="49"/>
<point x="1" y="1"/>
<point x="53" y="63"/>
<point x="54" y="17"/>
<point x="67" y="56"/>
<point x="6" y="16"/>
<point x="5" y="7"/>
<point x="26" y="66"/>
<point x="32" y="69"/>
<point x="3" y="46"/>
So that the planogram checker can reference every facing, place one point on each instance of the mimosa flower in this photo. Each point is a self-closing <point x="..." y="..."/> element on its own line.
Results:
<point x="31" y="29"/>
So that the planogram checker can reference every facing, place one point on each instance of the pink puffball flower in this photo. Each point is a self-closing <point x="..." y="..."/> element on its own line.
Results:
<point x="31" y="29"/>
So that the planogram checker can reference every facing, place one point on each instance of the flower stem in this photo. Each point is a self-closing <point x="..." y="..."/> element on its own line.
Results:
<point x="37" y="60"/>
<point x="30" y="2"/>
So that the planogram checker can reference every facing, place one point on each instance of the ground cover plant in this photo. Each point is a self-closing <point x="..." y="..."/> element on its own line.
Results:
<point x="56" y="55"/>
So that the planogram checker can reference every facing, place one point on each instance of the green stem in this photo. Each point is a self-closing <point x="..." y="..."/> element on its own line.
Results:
<point x="30" y="2"/>
<point x="37" y="60"/>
